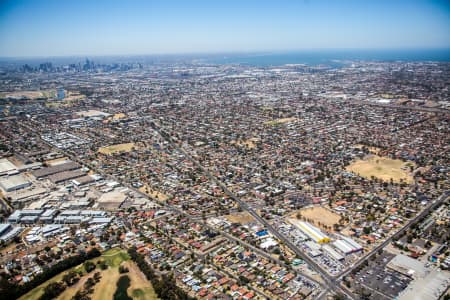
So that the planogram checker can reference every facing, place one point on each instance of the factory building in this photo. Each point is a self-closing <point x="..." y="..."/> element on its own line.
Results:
<point x="333" y="253"/>
<point x="347" y="245"/>
<point x="6" y="166"/>
<point x="312" y="232"/>
<point x="13" y="183"/>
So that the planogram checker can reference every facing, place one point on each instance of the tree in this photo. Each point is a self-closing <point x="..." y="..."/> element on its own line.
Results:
<point x="71" y="278"/>
<point x="122" y="285"/>
<point x="52" y="290"/>
<point x="89" y="266"/>
<point x="81" y="295"/>
<point x="90" y="282"/>
<point x="339" y="297"/>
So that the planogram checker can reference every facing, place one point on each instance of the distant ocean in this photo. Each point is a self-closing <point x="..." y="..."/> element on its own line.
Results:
<point x="330" y="57"/>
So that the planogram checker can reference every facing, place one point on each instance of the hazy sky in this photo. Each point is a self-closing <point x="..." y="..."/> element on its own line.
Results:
<point x="93" y="27"/>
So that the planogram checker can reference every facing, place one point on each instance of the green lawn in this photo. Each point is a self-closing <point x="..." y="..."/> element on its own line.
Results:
<point x="114" y="257"/>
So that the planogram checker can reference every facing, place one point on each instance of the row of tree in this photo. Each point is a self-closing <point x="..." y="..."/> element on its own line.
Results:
<point x="164" y="286"/>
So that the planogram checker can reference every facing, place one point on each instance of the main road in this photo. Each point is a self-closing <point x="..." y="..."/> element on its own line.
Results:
<point x="431" y="206"/>
<point x="328" y="279"/>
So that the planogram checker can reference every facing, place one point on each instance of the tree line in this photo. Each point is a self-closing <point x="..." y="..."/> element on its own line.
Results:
<point x="165" y="286"/>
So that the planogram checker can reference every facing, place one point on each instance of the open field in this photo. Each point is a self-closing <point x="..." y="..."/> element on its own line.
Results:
<point x="383" y="168"/>
<point x="250" y="143"/>
<point x="108" y="150"/>
<point x="318" y="214"/>
<point x="28" y="94"/>
<point x="280" y="121"/>
<point x="241" y="218"/>
<point x="153" y="193"/>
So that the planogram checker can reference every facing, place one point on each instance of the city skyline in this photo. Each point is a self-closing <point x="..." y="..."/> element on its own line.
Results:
<point x="52" y="28"/>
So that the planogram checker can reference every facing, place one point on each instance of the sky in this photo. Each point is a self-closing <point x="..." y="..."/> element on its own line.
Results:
<point x="134" y="27"/>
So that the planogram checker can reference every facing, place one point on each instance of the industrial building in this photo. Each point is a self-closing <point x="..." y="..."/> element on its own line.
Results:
<point x="347" y="245"/>
<point x="407" y="266"/>
<point x="48" y="216"/>
<point x="6" y="166"/>
<point x="111" y="200"/>
<point x="14" y="183"/>
<point x="4" y="228"/>
<point x="11" y="233"/>
<point x="333" y="253"/>
<point x="44" y="172"/>
<point x="312" y="232"/>
<point x="16" y="217"/>
<point x="65" y="176"/>
<point x="430" y="287"/>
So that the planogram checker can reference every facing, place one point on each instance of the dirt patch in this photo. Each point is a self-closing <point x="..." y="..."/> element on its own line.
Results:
<point x="119" y="116"/>
<point x="382" y="168"/>
<point x="28" y="94"/>
<point x="108" y="150"/>
<point x="241" y="218"/>
<point x="56" y="161"/>
<point x="250" y="143"/>
<point x="153" y="193"/>
<point x="316" y="215"/>
<point x="280" y="121"/>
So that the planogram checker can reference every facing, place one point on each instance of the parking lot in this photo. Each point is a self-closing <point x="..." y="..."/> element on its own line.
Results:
<point x="377" y="278"/>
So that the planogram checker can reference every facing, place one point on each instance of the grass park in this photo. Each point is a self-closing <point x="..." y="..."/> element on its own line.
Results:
<point x="139" y="287"/>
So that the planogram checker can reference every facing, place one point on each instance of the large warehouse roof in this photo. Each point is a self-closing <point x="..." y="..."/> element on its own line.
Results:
<point x="407" y="265"/>
<point x="15" y="182"/>
<point x="6" y="166"/>
<point x="56" y="169"/>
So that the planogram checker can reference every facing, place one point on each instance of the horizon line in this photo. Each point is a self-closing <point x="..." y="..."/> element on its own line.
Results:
<point x="228" y="52"/>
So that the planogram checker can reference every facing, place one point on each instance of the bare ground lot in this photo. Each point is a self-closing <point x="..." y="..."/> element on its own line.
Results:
<point x="382" y="168"/>
<point x="153" y="193"/>
<point x="318" y="214"/>
<point x="250" y="143"/>
<point x="241" y="218"/>
<point x="108" y="150"/>
<point x="280" y="121"/>
<point x="28" y="94"/>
